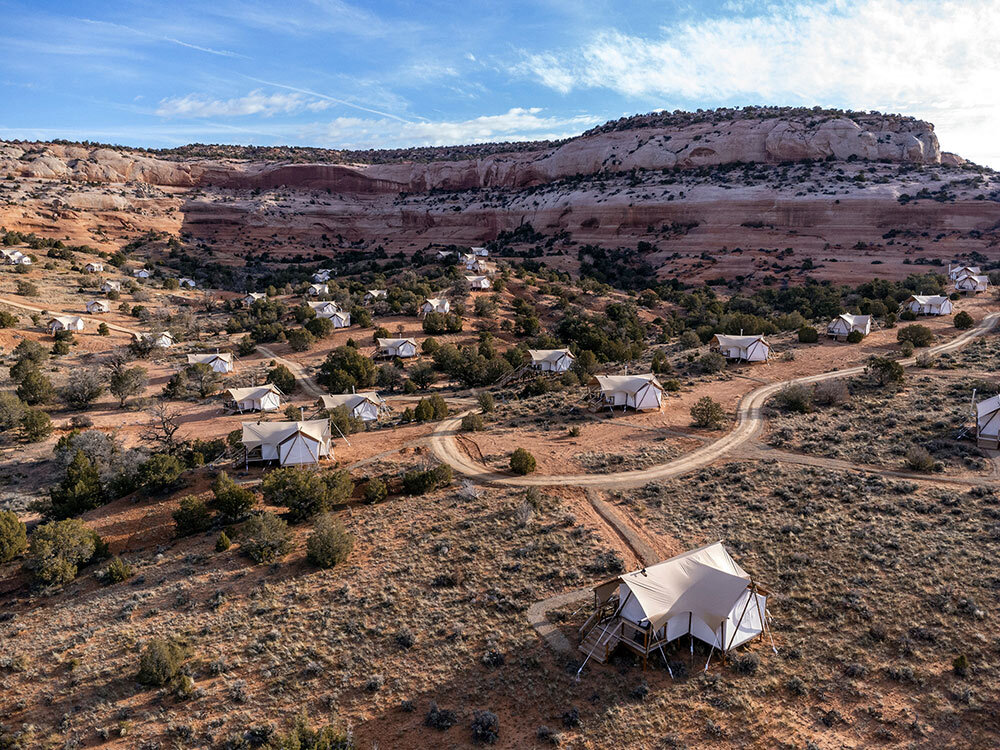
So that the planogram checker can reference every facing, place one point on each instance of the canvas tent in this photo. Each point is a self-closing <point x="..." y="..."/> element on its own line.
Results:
<point x="321" y="275"/>
<point x="289" y="443"/>
<point x="252" y="297"/>
<point x="639" y="392"/>
<point x="162" y="340"/>
<point x="65" y="323"/>
<point x="435" y="304"/>
<point x="16" y="258"/>
<point x="957" y="272"/>
<point x="479" y="283"/>
<point x="94" y="267"/>
<point x="480" y="252"/>
<point x="373" y="295"/>
<point x="971" y="283"/>
<point x="256" y="398"/>
<point x="922" y="304"/>
<point x="111" y="286"/>
<point x="141" y="273"/>
<point x="745" y="348"/>
<point x="397" y="347"/>
<point x="551" y="360"/>
<point x="366" y="406"/>
<point x="218" y="362"/>
<point x="325" y="309"/>
<point x="988" y="423"/>
<point x="842" y="325"/>
<point x="95" y="306"/>
<point x="189" y="283"/>
<point x="315" y="290"/>
<point x="702" y="593"/>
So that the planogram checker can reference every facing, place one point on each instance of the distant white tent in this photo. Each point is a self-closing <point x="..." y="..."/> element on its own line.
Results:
<point x="141" y="273"/>
<point x="162" y="340"/>
<point x="256" y="398"/>
<point x="111" y="286"/>
<point x="252" y="297"/>
<point x="957" y="272"/>
<point x="218" y="362"/>
<point x="928" y="304"/>
<point x="551" y="360"/>
<point x="325" y="309"/>
<point x="397" y="347"/>
<point x="373" y="295"/>
<point x="189" y="283"/>
<point x="65" y="323"/>
<point x="479" y="283"/>
<point x="480" y="252"/>
<point x="746" y="348"/>
<point x="435" y="304"/>
<point x="289" y="443"/>
<point x="971" y="283"/>
<point x="703" y="593"/>
<point x="96" y="306"/>
<point x="843" y="325"/>
<point x="366" y="406"/>
<point x="988" y="423"/>
<point x="639" y="392"/>
<point x="94" y="267"/>
<point x="15" y="257"/>
<point x="315" y="290"/>
<point x="322" y="275"/>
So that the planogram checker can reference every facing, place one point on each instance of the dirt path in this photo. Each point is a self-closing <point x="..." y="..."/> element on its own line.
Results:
<point x="303" y="378"/>
<point x="31" y="308"/>
<point x="749" y="421"/>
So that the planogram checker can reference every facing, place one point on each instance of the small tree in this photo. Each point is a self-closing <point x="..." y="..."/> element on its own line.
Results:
<point x="329" y="544"/>
<point x="306" y="493"/>
<point x="707" y="413"/>
<point x="486" y="402"/>
<point x="203" y="379"/>
<point x="423" y="375"/>
<point x="57" y="550"/>
<point x="964" y="321"/>
<point x="12" y="410"/>
<point x="884" y="370"/>
<point x="522" y="462"/>
<point x="712" y="362"/>
<point x="300" y="340"/>
<point x="160" y="471"/>
<point x="472" y="423"/>
<point x="35" y="425"/>
<point x="808" y="335"/>
<point x="127" y="382"/>
<point x="918" y="335"/>
<point x="34" y="388"/>
<point x="265" y="538"/>
<point x="230" y="499"/>
<point x="160" y="662"/>
<point x="282" y="377"/>
<point x="83" y="388"/>
<point x="345" y="368"/>
<point x="80" y="489"/>
<point x="13" y="536"/>
<point x="192" y="517"/>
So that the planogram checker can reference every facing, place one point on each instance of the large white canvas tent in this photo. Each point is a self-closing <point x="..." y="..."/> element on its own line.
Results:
<point x="65" y="323"/>
<point x="640" y="392"/>
<point x="745" y="348"/>
<point x="844" y="324"/>
<point x="957" y="272"/>
<point x="988" y="423"/>
<point x="435" y="304"/>
<point x="972" y="283"/>
<point x="218" y="362"/>
<point x="551" y="360"/>
<point x="325" y="309"/>
<point x="366" y="406"/>
<point x="257" y="398"/>
<point x="96" y="306"/>
<point x="289" y="443"/>
<point x="702" y="593"/>
<point x="162" y="340"/>
<point x="928" y="304"/>
<point x="479" y="283"/>
<point x="397" y="347"/>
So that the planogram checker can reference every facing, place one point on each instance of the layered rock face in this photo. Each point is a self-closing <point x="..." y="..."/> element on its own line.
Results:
<point x="766" y="141"/>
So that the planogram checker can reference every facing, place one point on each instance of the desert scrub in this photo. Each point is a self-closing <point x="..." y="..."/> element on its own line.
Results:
<point x="117" y="571"/>
<point x="329" y="544"/>
<point x="265" y="538"/>
<point x="160" y="661"/>
<point x="707" y="413"/>
<point x="192" y="517"/>
<point x="305" y="492"/>
<point x="13" y="536"/>
<point x="58" y="549"/>
<point x="522" y="462"/>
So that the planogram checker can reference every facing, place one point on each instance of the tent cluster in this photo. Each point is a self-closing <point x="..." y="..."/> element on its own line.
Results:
<point x="703" y="594"/>
<point x="14" y="257"/>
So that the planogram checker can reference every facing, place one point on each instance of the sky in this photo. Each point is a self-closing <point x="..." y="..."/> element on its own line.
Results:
<point x="391" y="73"/>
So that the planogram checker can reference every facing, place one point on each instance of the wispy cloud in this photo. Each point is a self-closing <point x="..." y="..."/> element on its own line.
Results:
<point x="146" y="35"/>
<point x="328" y="98"/>
<point x="254" y="103"/>
<point x="915" y="56"/>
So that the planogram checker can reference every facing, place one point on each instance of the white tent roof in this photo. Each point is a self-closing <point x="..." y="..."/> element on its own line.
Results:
<point x="254" y="393"/>
<point x="928" y="299"/>
<point x="66" y="321"/>
<point x="391" y="343"/>
<point x="207" y="359"/>
<point x="378" y="292"/>
<point x="472" y="279"/>
<point x="974" y="277"/>
<point x="626" y="383"/>
<point x="333" y="306"/>
<point x="549" y="355"/>
<point x="435" y="301"/>
<point x="350" y="400"/>
<point x="854" y="320"/>
<point x="988" y="406"/>
<point x="706" y="582"/>
<point x="739" y="341"/>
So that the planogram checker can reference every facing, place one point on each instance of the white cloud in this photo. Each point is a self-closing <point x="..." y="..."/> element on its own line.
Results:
<point x="254" y="103"/>
<point x="517" y="124"/>
<point x="937" y="60"/>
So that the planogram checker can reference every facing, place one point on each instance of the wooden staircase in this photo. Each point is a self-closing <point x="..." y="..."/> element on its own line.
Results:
<point x="601" y="640"/>
<point x="524" y="372"/>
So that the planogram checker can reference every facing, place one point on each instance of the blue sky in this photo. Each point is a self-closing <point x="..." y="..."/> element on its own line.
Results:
<point x="389" y="73"/>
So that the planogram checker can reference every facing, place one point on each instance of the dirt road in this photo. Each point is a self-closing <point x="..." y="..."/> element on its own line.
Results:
<point x="303" y="378"/>
<point x="749" y="420"/>
<point x="31" y="308"/>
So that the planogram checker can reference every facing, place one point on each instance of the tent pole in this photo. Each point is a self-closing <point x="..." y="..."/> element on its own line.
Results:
<point x="711" y="651"/>
<point x="740" y="621"/>
<point x="691" y="639"/>
<point x="763" y="617"/>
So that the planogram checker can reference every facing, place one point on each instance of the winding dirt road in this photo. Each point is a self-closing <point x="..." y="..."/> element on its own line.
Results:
<point x="749" y="417"/>
<point x="303" y="378"/>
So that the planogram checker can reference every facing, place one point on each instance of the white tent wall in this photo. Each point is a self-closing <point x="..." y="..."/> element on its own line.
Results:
<point x="744" y="622"/>
<point x="270" y="402"/>
<point x="299" y="449"/>
<point x="366" y="411"/>
<point x="647" y="397"/>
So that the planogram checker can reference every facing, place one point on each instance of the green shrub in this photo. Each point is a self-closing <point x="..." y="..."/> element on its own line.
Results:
<point x="222" y="543"/>
<point x="246" y="347"/>
<point x="712" y="362"/>
<point x="303" y="737"/>
<point x="964" y="321"/>
<point x="13" y="536"/>
<point x="192" y="517"/>
<point x="300" y="340"/>
<point x="808" y="335"/>
<point x="345" y="368"/>
<point x="689" y="340"/>
<point x="160" y="662"/>
<point x="329" y="544"/>
<point x="282" y="377"/>
<point x="320" y="327"/>
<point x="522" y="462"/>
<point x="376" y="490"/>
<point x="907" y="315"/>
<point x="472" y="423"/>
<point x="160" y="471"/>
<point x="12" y="411"/>
<point x="707" y="413"/>
<point x="34" y="388"/>
<point x="919" y="459"/>
<point x="79" y="490"/>
<point x="36" y="425"/>
<point x="486" y="402"/>
<point x="57" y="549"/>
<point x="795" y="397"/>
<point x="917" y="334"/>
<point x="118" y="571"/>
<point x="230" y="499"/>
<point x="304" y="492"/>
<point x="855" y="337"/>
<point x="265" y="538"/>
<point x="419" y="482"/>
<point x="884" y="370"/>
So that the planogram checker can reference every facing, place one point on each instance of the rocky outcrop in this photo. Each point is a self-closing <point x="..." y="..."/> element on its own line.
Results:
<point x="760" y="140"/>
